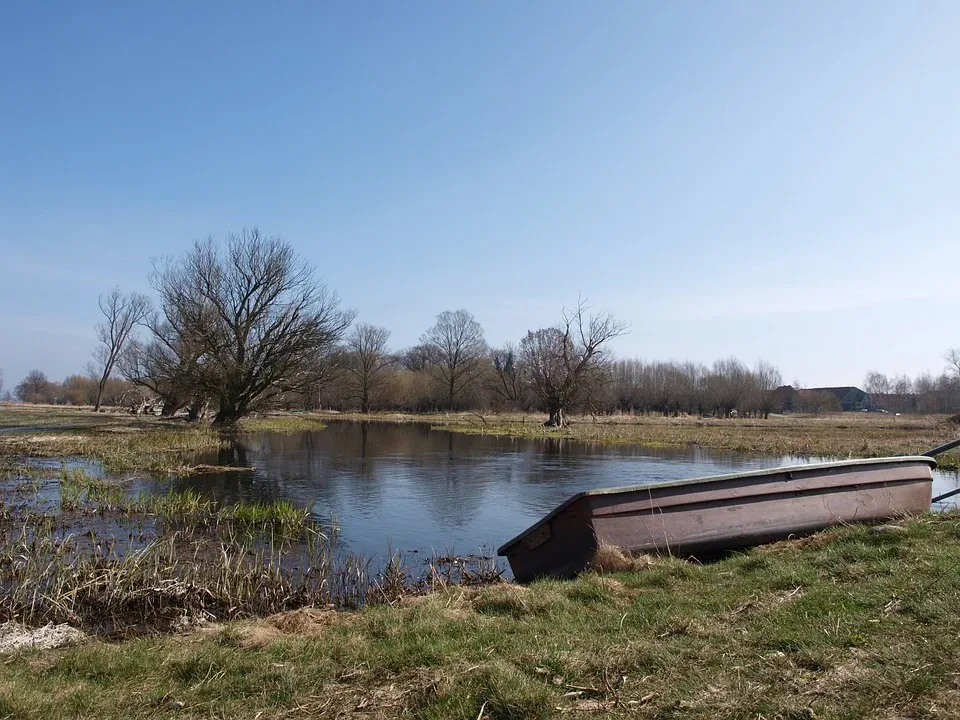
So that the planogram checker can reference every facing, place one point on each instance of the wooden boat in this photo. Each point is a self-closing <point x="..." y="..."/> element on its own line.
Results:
<point x="706" y="516"/>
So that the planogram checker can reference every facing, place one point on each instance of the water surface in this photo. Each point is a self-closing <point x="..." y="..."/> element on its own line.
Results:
<point x="417" y="490"/>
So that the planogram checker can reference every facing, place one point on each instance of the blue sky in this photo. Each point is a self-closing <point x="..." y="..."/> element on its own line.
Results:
<point x="768" y="180"/>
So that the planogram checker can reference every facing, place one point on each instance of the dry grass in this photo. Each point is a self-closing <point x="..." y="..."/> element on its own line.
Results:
<point x="611" y="559"/>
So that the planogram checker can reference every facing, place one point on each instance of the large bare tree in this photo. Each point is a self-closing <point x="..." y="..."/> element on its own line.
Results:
<point x="563" y="364"/>
<point x="121" y="314"/>
<point x="456" y="351"/>
<point x="367" y="364"/>
<point x="255" y="317"/>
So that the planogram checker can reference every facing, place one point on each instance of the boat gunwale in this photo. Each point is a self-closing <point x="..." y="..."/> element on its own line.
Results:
<point x="711" y="479"/>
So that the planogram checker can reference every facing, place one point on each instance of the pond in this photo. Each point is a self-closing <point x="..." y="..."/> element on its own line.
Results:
<point x="420" y="491"/>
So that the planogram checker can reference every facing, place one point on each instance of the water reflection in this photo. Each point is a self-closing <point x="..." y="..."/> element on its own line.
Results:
<point x="414" y="488"/>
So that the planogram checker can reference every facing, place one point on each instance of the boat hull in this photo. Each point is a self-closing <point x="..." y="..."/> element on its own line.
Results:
<point x="708" y="516"/>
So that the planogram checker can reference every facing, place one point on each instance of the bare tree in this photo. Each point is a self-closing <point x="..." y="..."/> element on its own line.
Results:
<point x="254" y="316"/>
<point x="167" y="367"/>
<point x="768" y="379"/>
<point x="367" y="364"/>
<point x="876" y="383"/>
<point x="456" y="351"/>
<point x="35" y="388"/>
<point x="121" y="314"/>
<point x="506" y="381"/>
<point x="561" y="363"/>
<point x="902" y="387"/>
<point x="952" y="356"/>
<point x="1" y="380"/>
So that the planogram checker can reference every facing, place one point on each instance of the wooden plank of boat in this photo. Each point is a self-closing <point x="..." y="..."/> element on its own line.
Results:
<point x="707" y="516"/>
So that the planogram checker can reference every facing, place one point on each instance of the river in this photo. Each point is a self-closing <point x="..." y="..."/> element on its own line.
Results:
<point x="420" y="491"/>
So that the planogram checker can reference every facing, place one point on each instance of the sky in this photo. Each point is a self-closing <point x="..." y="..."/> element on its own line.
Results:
<point x="764" y="180"/>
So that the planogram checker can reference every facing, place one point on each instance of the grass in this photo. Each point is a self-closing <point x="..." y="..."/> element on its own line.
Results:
<point x="849" y="623"/>
<point x="838" y="435"/>
<point x="93" y="556"/>
<point x="123" y="443"/>
<point x="281" y="423"/>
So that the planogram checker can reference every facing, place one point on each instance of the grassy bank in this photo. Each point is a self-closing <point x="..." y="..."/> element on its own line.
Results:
<point x="850" y="623"/>
<point x="836" y="435"/>
<point x="120" y="441"/>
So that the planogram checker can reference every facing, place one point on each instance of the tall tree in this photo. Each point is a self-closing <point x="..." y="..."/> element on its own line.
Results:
<point x="562" y="364"/>
<point x="257" y="321"/>
<point x="456" y="350"/>
<point x="367" y="364"/>
<point x="952" y="356"/>
<point x="768" y="379"/>
<point x="876" y="383"/>
<point x="121" y="314"/>
<point x="35" y="388"/>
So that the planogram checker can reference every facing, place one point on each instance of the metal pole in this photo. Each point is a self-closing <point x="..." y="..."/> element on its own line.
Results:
<point x="945" y="495"/>
<point x="942" y="449"/>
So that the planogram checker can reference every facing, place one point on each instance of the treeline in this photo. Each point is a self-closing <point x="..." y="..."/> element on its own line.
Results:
<point x="926" y="393"/>
<point x="407" y="383"/>
<point x="242" y="326"/>
<point x="37" y="388"/>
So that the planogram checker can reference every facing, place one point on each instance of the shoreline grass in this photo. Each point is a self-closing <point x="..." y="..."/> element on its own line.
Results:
<point x="852" y="622"/>
<point x="124" y="443"/>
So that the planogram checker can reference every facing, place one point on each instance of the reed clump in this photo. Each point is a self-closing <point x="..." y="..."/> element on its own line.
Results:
<point x="83" y="550"/>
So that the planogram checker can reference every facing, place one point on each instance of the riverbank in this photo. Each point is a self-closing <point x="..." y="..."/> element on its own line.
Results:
<point x="120" y="441"/>
<point x="128" y="442"/>
<point x="838" y="435"/>
<point x="849" y="623"/>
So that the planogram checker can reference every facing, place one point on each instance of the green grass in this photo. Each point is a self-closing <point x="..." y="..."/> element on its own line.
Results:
<point x="847" y="624"/>
<point x="281" y="423"/>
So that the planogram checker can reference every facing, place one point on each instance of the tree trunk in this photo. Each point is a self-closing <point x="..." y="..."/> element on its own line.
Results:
<point x="170" y="407"/>
<point x="557" y="418"/>
<point x="196" y="410"/>
<point x="227" y="416"/>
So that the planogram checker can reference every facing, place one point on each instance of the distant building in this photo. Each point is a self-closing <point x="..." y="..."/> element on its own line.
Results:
<point x="848" y="399"/>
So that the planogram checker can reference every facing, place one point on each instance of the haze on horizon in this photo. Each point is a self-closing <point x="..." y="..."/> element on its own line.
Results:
<point x="761" y="180"/>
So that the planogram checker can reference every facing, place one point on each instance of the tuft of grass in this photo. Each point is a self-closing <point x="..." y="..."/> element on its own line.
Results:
<point x="281" y="423"/>
<point x="609" y="558"/>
